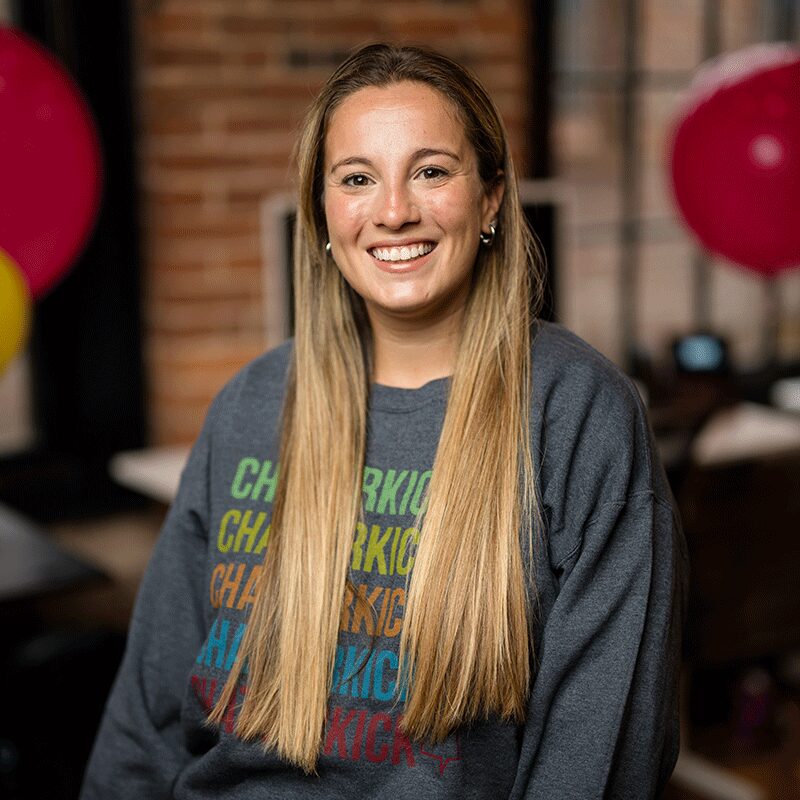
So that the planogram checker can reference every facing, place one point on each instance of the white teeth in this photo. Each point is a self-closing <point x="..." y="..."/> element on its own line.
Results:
<point x="405" y="253"/>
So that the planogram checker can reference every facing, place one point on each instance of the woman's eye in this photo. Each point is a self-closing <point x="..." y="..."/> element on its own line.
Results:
<point x="432" y="173"/>
<point x="356" y="180"/>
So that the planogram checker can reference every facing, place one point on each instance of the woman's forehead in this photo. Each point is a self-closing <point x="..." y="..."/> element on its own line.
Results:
<point x="406" y="115"/>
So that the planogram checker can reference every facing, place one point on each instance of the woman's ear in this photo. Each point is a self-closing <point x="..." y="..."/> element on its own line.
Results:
<point x="492" y="200"/>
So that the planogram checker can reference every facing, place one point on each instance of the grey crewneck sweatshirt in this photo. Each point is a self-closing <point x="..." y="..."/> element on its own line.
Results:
<point x="611" y="578"/>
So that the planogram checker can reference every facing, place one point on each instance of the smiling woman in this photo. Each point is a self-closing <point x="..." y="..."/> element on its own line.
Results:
<point x="426" y="548"/>
<point x="405" y="205"/>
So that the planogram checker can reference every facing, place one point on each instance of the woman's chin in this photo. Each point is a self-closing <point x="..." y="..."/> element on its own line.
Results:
<point x="420" y="308"/>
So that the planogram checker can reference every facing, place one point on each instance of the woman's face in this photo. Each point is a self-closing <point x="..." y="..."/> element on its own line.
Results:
<point x="403" y="200"/>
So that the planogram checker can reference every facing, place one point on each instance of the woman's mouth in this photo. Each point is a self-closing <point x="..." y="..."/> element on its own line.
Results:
<point x="402" y="253"/>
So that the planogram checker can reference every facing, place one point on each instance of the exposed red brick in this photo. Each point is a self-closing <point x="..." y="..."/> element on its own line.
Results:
<point x="170" y="56"/>
<point x="224" y="230"/>
<point x="166" y="199"/>
<point x="252" y="25"/>
<point x="154" y="25"/>
<point x="175" y="284"/>
<point x="171" y="125"/>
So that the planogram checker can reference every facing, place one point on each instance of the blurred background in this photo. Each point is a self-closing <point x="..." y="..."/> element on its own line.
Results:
<point x="184" y="276"/>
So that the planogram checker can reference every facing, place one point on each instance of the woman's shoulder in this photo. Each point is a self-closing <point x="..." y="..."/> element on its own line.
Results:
<point x="591" y="425"/>
<point x="258" y="387"/>
<point x="566" y="363"/>
<point x="573" y="383"/>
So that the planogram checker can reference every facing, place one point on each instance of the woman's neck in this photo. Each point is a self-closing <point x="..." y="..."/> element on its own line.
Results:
<point x="410" y="353"/>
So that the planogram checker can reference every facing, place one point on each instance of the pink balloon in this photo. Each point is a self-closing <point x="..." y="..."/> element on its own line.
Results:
<point x="50" y="163"/>
<point x="735" y="157"/>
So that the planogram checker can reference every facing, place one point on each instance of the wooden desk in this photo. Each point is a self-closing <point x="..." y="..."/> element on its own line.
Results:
<point x="746" y="432"/>
<point x="154" y="472"/>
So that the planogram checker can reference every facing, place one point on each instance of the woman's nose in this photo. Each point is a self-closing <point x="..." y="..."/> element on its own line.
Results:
<point x="395" y="207"/>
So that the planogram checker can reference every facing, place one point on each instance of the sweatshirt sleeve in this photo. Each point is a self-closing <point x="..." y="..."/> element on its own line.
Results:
<point x="602" y="719"/>
<point x="139" y="748"/>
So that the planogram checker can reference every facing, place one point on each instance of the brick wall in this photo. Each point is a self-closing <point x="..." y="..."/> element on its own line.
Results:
<point x="223" y="85"/>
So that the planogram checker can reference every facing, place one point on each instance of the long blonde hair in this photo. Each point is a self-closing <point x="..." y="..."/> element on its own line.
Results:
<point x="465" y="647"/>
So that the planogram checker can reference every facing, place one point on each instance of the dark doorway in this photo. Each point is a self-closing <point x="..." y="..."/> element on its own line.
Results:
<point x="85" y="348"/>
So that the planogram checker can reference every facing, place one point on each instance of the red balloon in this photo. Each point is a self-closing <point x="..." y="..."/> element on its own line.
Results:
<point x="50" y="163"/>
<point x="735" y="157"/>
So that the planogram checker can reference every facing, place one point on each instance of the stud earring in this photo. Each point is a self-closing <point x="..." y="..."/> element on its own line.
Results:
<point x="487" y="239"/>
<point x="328" y="248"/>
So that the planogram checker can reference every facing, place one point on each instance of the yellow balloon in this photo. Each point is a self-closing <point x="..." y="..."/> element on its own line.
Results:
<point x="15" y="310"/>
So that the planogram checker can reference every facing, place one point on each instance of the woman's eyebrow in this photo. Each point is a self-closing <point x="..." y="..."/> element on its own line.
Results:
<point x="347" y="162"/>
<point x="423" y="152"/>
<point x="427" y="152"/>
